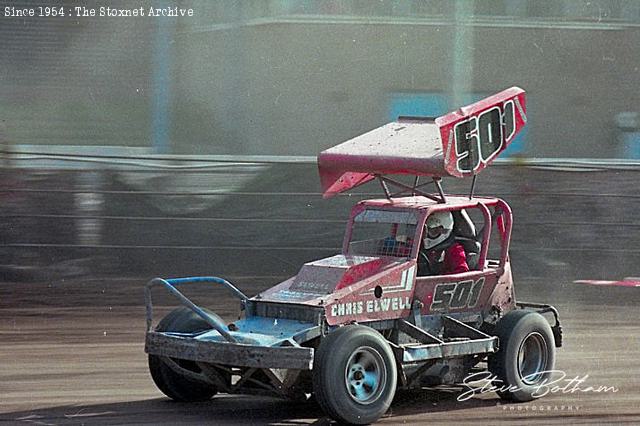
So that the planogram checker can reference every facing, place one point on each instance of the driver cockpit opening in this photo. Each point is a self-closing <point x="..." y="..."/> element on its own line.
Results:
<point x="450" y="243"/>
<point x="470" y="233"/>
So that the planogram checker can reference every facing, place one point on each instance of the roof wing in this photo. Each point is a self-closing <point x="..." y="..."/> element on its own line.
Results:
<point x="459" y="144"/>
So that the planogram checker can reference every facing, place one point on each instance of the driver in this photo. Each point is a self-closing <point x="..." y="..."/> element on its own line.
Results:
<point x="440" y="253"/>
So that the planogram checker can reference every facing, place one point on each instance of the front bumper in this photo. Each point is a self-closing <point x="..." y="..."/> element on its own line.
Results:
<point x="189" y="348"/>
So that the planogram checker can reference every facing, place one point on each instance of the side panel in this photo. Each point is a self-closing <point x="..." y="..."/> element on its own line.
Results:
<point x="503" y="296"/>
<point x="385" y="296"/>
<point x="445" y="294"/>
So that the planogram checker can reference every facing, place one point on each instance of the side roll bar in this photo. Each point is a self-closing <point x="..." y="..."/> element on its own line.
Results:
<point x="212" y="319"/>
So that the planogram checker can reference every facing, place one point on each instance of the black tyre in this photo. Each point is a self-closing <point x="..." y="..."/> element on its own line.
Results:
<point x="526" y="356"/>
<point x="178" y="378"/>
<point x="354" y="375"/>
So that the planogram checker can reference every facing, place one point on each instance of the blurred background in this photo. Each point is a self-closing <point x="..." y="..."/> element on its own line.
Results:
<point x="141" y="147"/>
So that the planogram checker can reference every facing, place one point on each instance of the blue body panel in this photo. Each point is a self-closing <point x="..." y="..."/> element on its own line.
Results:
<point x="262" y="331"/>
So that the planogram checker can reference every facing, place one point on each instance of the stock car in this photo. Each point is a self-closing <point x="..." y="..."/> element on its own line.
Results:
<point x="353" y="328"/>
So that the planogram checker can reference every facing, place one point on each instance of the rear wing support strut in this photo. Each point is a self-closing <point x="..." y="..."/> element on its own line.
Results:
<point x="473" y="186"/>
<point x="385" y="181"/>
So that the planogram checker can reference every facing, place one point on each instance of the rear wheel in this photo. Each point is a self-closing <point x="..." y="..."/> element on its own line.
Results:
<point x="526" y="355"/>
<point x="181" y="380"/>
<point x="354" y="375"/>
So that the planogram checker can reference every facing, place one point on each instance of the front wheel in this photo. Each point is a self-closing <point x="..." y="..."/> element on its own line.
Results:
<point x="179" y="379"/>
<point x="354" y="375"/>
<point x="526" y="355"/>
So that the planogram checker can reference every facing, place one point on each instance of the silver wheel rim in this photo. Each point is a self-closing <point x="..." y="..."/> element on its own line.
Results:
<point x="365" y="375"/>
<point x="532" y="358"/>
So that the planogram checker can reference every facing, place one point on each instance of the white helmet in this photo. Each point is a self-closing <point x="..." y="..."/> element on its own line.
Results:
<point x="438" y="228"/>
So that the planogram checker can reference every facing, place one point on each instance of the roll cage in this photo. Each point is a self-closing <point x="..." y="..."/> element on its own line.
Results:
<point x="495" y="212"/>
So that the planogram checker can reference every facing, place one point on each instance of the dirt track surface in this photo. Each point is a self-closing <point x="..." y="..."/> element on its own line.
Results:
<point x="72" y="353"/>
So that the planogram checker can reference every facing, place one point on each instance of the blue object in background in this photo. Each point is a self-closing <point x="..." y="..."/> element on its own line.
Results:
<point x="630" y="145"/>
<point x="437" y="104"/>
<point x="628" y="124"/>
<point x="417" y="105"/>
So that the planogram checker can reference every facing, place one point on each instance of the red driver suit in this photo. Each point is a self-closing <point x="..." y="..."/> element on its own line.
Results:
<point x="454" y="262"/>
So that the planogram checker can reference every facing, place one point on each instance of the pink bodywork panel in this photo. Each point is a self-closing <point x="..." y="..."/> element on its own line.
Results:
<point x="362" y="302"/>
<point x="427" y="146"/>
<point x="412" y="147"/>
<point x="371" y="288"/>
<point x="319" y="279"/>
<point x="391" y="295"/>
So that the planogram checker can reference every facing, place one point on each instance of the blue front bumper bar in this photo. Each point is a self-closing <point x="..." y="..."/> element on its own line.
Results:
<point x="212" y="319"/>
